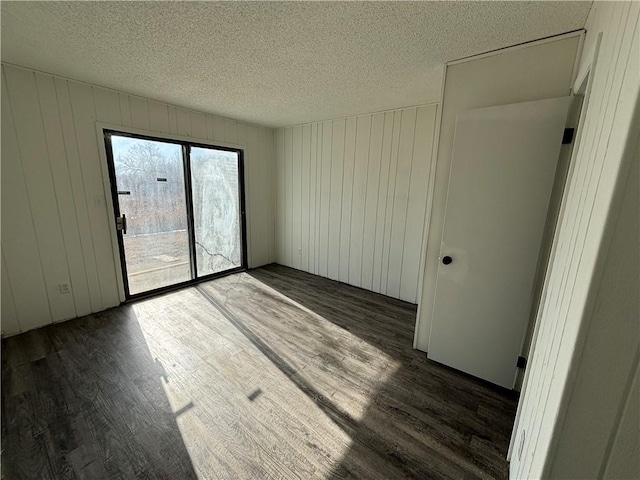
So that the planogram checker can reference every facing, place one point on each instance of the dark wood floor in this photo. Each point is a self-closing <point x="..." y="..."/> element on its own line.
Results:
<point x="273" y="373"/>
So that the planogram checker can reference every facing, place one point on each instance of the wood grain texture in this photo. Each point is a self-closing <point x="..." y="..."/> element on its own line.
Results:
<point x="274" y="373"/>
<point x="366" y="200"/>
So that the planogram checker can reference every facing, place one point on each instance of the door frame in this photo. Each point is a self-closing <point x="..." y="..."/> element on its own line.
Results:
<point x="111" y="202"/>
<point x="554" y="111"/>
<point x="431" y="249"/>
<point x="582" y="85"/>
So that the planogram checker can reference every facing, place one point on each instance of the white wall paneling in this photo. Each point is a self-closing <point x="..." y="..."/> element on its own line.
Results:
<point x="625" y="443"/>
<point x="288" y="171"/>
<point x="535" y="71"/>
<point x="23" y="254"/>
<point x="352" y="195"/>
<point x="296" y="206"/>
<point x="358" y="194"/>
<point x="55" y="214"/>
<point x="324" y="204"/>
<point x="371" y="201"/>
<point x="586" y="342"/>
<point x="335" y="196"/>
<point x="9" y="315"/>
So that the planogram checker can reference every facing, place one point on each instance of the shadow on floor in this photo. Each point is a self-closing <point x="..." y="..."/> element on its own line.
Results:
<point x="376" y="319"/>
<point x="426" y="420"/>
<point x="84" y="399"/>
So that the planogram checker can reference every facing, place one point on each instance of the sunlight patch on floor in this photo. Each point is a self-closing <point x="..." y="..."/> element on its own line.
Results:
<point x="349" y="358"/>
<point x="210" y="379"/>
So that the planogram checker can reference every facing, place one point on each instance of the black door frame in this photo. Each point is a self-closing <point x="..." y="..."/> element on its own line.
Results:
<point x="186" y="163"/>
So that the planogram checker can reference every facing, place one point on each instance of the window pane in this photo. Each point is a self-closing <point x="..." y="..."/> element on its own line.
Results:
<point x="151" y="193"/>
<point x="216" y="209"/>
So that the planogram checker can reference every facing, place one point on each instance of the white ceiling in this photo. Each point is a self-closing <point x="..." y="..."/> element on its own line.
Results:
<point x="272" y="63"/>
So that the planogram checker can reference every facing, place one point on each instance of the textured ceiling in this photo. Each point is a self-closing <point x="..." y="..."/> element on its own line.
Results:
<point x="272" y="63"/>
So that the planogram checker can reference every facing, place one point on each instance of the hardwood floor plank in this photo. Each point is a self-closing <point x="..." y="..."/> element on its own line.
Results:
<point x="273" y="373"/>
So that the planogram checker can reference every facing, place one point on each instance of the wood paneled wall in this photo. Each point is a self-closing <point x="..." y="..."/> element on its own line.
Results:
<point x="581" y="371"/>
<point x="55" y="222"/>
<point x="352" y="196"/>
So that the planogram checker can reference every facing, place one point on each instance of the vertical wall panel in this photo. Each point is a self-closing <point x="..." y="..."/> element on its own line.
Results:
<point x="325" y="198"/>
<point x="19" y="245"/>
<point x="626" y="441"/>
<point x="296" y="192"/>
<point x="347" y="196"/>
<point x="253" y="188"/>
<point x="199" y="126"/>
<point x="125" y="109"/>
<point x="173" y="119"/>
<point x="64" y="191"/>
<point x="269" y="146"/>
<point x="363" y="139"/>
<point x="319" y="135"/>
<point x="79" y="191"/>
<point x="139" y="113"/>
<point x="281" y="218"/>
<point x="288" y="196"/>
<point x="579" y="194"/>
<point x="387" y="260"/>
<point x="401" y="201"/>
<point x="183" y="117"/>
<point x="84" y="118"/>
<point x="589" y="304"/>
<point x="313" y="174"/>
<point x="251" y="191"/>
<point x="230" y="131"/>
<point x="107" y="105"/>
<point x="381" y="213"/>
<point x="266" y="151"/>
<point x="218" y="129"/>
<point x="351" y="198"/>
<point x="56" y="226"/>
<point x="417" y="204"/>
<point x="335" y="197"/>
<point x="371" y="200"/>
<point x="9" y="320"/>
<point x="159" y="117"/>
<point x="210" y="127"/>
<point x="36" y="168"/>
<point x="305" y="196"/>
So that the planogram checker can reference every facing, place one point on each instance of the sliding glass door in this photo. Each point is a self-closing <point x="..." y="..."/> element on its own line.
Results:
<point x="215" y="193"/>
<point x="178" y="208"/>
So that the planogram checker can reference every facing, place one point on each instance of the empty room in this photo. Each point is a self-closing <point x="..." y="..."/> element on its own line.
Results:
<point x="328" y="240"/>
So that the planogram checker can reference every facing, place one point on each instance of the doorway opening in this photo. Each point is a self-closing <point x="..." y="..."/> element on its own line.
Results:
<point x="179" y="209"/>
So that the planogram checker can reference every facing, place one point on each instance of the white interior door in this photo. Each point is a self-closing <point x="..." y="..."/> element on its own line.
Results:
<point x="503" y="167"/>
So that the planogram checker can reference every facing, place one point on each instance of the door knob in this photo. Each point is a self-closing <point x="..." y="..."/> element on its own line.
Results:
<point x="447" y="259"/>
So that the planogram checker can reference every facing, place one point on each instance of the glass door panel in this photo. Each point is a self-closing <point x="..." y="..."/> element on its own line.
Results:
<point x="215" y="185"/>
<point x="151" y="196"/>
